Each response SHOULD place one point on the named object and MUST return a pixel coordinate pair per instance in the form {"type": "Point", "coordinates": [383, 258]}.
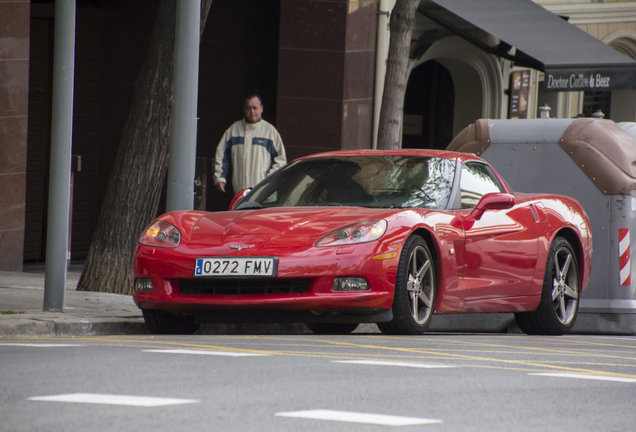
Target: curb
{"type": "Point", "coordinates": [67, 328]}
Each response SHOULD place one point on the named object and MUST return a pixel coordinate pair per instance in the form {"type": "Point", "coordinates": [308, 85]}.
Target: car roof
{"type": "Point", "coordinates": [446, 154]}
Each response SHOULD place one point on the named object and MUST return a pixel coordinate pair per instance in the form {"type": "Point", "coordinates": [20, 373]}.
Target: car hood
{"type": "Point", "coordinates": [309, 222]}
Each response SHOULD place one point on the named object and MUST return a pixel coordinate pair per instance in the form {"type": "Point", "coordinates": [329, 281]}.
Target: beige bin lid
{"type": "Point", "coordinates": [474, 138]}
{"type": "Point", "coordinates": [600, 148]}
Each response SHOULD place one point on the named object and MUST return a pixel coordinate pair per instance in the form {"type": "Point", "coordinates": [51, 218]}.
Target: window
{"type": "Point", "coordinates": [477, 180]}
{"type": "Point", "coordinates": [597, 100]}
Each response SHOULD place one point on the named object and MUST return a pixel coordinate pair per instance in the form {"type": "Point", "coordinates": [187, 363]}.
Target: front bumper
{"type": "Point", "coordinates": [170, 272]}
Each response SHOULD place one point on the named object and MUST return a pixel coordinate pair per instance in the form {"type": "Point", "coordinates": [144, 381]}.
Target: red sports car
{"type": "Point", "coordinates": [390, 237]}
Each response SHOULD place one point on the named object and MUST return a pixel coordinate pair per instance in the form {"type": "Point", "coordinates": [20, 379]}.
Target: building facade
{"type": "Point", "coordinates": [460, 72]}
{"type": "Point", "coordinates": [319, 65]}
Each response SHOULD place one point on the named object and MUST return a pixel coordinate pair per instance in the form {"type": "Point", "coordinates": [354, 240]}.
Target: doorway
{"type": "Point", "coordinates": [429, 106]}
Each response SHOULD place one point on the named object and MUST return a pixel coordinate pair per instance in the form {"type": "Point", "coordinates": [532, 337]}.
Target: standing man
{"type": "Point", "coordinates": [250, 149]}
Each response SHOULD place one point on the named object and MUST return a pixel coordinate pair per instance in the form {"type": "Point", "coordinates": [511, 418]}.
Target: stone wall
{"type": "Point", "coordinates": [14, 83]}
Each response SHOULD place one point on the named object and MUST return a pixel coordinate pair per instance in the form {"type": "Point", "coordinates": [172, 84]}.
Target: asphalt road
{"type": "Point", "coordinates": [436, 382]}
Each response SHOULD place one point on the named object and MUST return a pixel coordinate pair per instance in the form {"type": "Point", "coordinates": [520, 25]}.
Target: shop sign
{"type": "Point", "coordinates": [519, 91]}
{"type": "Point", "coordinates": [590, 80]}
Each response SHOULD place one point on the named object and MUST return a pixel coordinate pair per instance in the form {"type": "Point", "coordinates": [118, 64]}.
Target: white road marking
{"type": "Point", "coordinates": [40, 345]}
{"type": "Point", "coordinates": [202, 352]}
{"type": "Point", "coordinates": [589, 377]}
{"type": "Point", "coordinates": [393, 363]}
{"type": "Point", "coordinates": [109, 399]}
{"type": "Point", "coordinates": [357, 417]}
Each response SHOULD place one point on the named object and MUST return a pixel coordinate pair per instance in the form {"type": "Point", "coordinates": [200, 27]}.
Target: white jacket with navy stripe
{"type": "Point", "coordinates": [248, 152]}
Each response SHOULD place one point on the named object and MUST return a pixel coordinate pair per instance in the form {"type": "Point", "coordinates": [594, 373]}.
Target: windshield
{"type": "Point", "coordinates": [387, 181]}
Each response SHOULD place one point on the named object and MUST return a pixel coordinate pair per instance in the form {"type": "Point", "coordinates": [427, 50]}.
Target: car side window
{"type": "Point", "coordinates": [477, 180]}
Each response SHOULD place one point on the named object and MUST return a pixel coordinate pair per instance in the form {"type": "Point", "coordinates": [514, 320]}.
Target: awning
{"type": "Point", "coordinates": [532, 36]}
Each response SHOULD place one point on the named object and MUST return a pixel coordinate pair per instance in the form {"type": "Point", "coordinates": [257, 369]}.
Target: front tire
{"type": "Point", "coordinates": [415, 290]}
{"type": "Point", "coordinates": [559, 304]}
{"type": "Point", "coordinates": [162, 322]}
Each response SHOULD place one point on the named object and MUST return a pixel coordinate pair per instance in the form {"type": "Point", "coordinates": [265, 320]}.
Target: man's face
{"type": "Point", "coordinates": [253, 110]}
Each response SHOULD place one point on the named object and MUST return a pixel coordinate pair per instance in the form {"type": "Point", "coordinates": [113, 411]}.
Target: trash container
{"type": "Point", "coordinates": [594, 161]}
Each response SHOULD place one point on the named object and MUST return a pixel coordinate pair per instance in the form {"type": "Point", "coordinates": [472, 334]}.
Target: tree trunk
{"type": "Point", "coordinates": [392, 109]}
{"type": "Point", "coordinates": [137, 178]}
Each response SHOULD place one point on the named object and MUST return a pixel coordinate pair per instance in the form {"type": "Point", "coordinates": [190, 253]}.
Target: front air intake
{"type": "Point", "coordinates": [224, 286]}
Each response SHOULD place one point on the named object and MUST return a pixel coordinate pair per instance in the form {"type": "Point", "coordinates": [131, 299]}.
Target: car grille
{"type": "Point", "coordinates": [244, 286]}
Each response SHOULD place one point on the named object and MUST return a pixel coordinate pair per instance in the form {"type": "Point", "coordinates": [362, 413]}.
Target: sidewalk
{"type": "Point", "coordinates": [85, 313]}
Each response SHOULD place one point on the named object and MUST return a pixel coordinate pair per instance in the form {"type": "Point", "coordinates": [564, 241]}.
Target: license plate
{"type": "Point", "coordinates": [236, 266]}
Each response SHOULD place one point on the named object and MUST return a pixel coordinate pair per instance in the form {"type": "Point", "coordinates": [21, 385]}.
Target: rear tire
{"type": "Point", "coordinates": [162, 322]}
{"type": "Point", "coordinates": [559, 304]}
{"type": "Point", "coordinates": [415, 290]}
{"type": "Point", "coordinates": [332, 328]}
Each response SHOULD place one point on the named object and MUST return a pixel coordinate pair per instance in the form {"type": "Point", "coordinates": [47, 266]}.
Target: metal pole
{"type": "Point", "coordinates": [183, 139]}
{"type": "Point", "coordinates": [381, 51]}
{"type": "Point", "coordinates": [57, 245]}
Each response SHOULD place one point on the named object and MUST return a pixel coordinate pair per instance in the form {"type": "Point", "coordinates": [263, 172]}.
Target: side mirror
{"type": "Point", "coordinates": [492, 201]}
{"type": "Point", "coordinates": [239, 197]}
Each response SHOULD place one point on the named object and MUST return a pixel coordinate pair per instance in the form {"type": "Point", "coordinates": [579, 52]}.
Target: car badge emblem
{"type": "Point", "coordinates": [239, 247]}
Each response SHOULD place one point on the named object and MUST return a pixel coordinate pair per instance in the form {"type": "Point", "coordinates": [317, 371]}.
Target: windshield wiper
{"type": "Point", "coordinates": [382, 205]}
{"type": "Point", "coordinates": [249, 205]}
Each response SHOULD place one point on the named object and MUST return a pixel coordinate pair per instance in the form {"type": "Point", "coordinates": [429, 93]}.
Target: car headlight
{"type": "Point", "coordinates": [161, 234]}
{"type": "Point", "coordinates": [362, 232]}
